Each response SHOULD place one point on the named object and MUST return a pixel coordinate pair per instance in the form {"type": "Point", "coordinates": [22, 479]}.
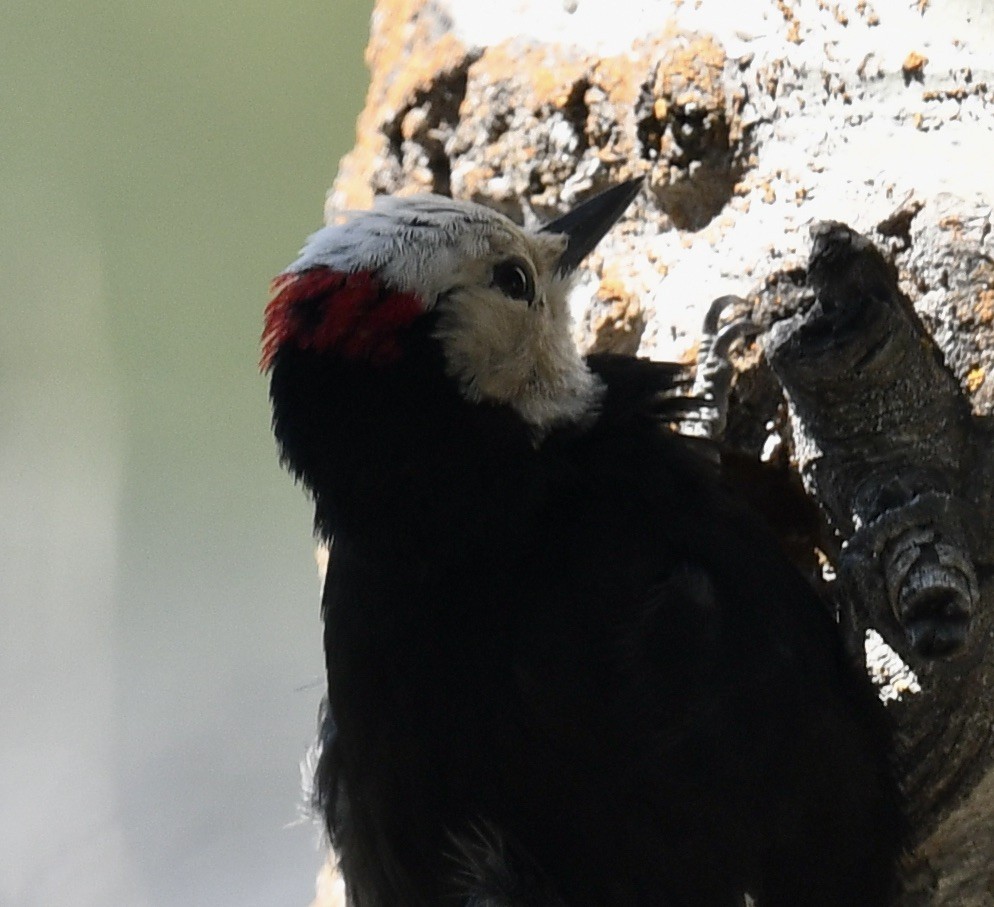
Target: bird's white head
{"type": "Point", "coordinates": [497, 294]}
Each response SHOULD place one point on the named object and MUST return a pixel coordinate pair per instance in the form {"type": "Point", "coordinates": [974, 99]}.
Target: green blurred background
{"type": "Point", "coordinates": [160, 663]}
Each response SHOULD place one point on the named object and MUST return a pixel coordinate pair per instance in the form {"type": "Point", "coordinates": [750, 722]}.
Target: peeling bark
{"type": "Point", "coordinates": [881, 432]}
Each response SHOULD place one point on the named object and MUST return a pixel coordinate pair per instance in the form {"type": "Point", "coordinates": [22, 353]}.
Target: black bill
{"type": "Point", "coordinates": [587, 224]}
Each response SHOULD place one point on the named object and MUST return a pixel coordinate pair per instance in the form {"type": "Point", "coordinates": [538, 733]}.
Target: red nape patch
{"type": "Point", "coordinates": [352, 314]}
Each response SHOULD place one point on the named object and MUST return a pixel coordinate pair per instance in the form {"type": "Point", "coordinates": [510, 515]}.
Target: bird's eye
{"type": "Point", "coordinates": [514, 279]}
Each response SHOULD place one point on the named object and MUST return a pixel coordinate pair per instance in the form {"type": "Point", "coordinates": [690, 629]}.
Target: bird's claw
{"type": "Point", "coordinates": [713, 381]}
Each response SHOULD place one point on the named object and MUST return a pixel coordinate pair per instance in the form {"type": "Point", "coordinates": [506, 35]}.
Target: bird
{"type": "Point", "coordinates": [567, 663]}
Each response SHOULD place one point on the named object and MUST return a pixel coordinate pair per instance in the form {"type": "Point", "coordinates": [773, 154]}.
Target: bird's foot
{"type": "Point", "coordinates": [713, 381]}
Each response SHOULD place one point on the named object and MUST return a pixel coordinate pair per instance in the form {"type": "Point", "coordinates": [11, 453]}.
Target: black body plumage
{"type": "Point", "coordinates": [576, 672]}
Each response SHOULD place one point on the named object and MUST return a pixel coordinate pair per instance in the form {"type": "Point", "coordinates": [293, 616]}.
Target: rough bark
{"type": "Point", "coordinates": [750, 122]}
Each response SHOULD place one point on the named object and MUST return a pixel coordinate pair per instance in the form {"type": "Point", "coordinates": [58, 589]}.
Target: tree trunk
{"type": "Point", "coordinates": [750, 122]}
